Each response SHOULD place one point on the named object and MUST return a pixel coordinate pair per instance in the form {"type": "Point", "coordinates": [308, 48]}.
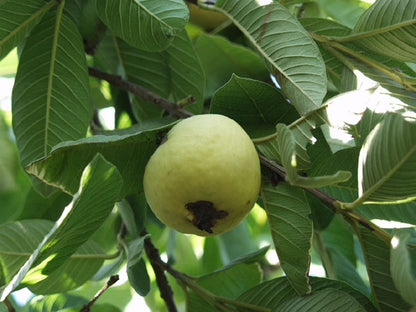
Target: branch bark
{"type": "Point", "coordinates": [174, 109]}
{"type": "Point", "coordinates": [329, 201]}
{"type": "Point", "coordinates": [113, 279]}
{"type": "Point", "coordinates": [159, 267]}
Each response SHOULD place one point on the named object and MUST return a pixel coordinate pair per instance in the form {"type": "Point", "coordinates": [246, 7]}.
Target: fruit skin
{"type": "Point", "coordinates": [205, 19]}
{"type": "Point", "coordinates": [205, 178]}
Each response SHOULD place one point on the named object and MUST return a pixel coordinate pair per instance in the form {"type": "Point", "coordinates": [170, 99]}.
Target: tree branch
{"type": "Point", "coordinates": [9, 305]}
{"type": "Point", "coordinates": [174, 109]}
{"type": "Point", "coordinates": [331, 202]}
{"type": "Point", "coordinates": [159, 268]}
{"type": "Point", "coordinates": [112, 280]}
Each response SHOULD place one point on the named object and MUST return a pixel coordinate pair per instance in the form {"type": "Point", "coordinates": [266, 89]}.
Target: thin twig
{"type": "Point", "coordinates": [9, 306]}
{"type": "Point", "coordinates": [112, 280]}
{"type": "Point", "coordinates": [172, 108]}
{"type": "Point", "coordinates": [159, 268]}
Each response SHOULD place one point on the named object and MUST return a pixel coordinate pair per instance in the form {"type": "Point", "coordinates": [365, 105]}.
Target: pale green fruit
{"type": "Point", "coordinates": [205, 178]}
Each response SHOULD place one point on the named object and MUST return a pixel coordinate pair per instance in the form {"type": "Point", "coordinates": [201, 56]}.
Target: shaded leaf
{"type": "Point", "coordinates": [276, 292]}
{"type": "Point", "coordinates": [55, 303]}
{"type": "Point", "coordinates": [51, 99]}
{"type": "Point", "coordinates": [290, 222]}
{"type": "Point", "coordinates": [174, 73]}
{"type": "Point", "coordinates": [248, 102]}
{"type": "Point", "coordinates": [323, 300]}
{"type": "Point", "coordinates": [139, 278]}
{"type": "Point", "coordinates": [402, 264]}
{"type": "Point", "coordinates": [377, 255]}
{"type": "Point", "coordinates": [145, 24]}
{"type": "Point", "coordinates": [229, 283]}
{"type": "Point", "coordinates": [17, 18]}
{"type": "Point", "coordinates": [387, 162]}
{"type": "Point", "coordinates": [388, 28]}
{"type": "Point", "coordinates": [279, 38]}
{"type": "Point", "coordinates": [287, 146]}
{"type": "Point", "coordinates": [403, 212]}
{"type": "Point", "coordinates": [346, 12]}
{"type": "Point", "coordinates": [221, 58]}
{"type": "Point", "coordinates": [128, 149]}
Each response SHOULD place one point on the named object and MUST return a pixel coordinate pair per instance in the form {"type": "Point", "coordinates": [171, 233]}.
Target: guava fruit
{"type": "Point", "coordinates": [205, 177]}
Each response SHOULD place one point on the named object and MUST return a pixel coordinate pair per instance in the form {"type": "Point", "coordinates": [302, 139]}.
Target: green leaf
{"type": "Point", "coordinates": [51, 99]}
{"type": "Point", "coordinates": [221, 58]}
{"type": "Point", "coordinates": [247, 102]}
{"type": "Point", "coordinates": [145, 24]}
{"type": "Point", "coordinates": [99, 188]}
{"type": "Point", "coordinates": [18, 240]}
{"type": "Point", "coordinates": [129, 151]}
{"type": "Point", "coordinates": [49, 208]}
{"type": "Point", "coordinates": [287, 146]}
{"type": "Point", "coordinates": [127, 215]}
{"type": "Point", "coordinates": [377, 255]}
{"type": "Point", "coordinates": [134, 250]}
{"type": "Point", "coordinates": [387, 161]}
{"type": "Point", "coordinates": [139, 278]}
{"type": "Point", "coordinates": [174, 73]}
{"type": "Point", "coordinates": [402, 264]}
{"type": "Point", "coordinates": [291, 227]}
{"type": "Point", "coordinates": [346, 12]}
{"type": "Point", "coordinates": [278, 37]}
{"type": "Point", "coordinates": [323, 300]}
{"type": "Point", "coordinates": [278, 292]}
{"type": "Point", "coordinates": [56, 302]}
{"type": "Point", "coordinates": [404, 212]}
{"type": "Point", "coordinates": [326, 27]}
{"type": "Point", "coordinates": [388, 28]}
{"type": "Point", "coordinates": [229, 283]}
{"type": "Point", "coordinates": [17, 18]}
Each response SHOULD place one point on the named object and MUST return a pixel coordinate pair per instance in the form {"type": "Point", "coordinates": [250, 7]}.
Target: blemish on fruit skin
{"type": "Point", "coordinates": [205, 215]}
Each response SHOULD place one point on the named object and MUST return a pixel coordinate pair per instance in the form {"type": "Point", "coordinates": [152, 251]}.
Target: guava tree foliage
{"type": "Point", "coordinates": [293, 74]}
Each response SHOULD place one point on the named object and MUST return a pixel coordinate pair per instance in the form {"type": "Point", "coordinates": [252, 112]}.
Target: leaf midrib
{"type": "Point", "coordinates": [51, 74]}
{"type": "Point", "coordinates": [260, 49]}
{"type": "Point", "coordinates": [394, 169]}
{"type": "Point", "coordinates": [33, 17]}
{"type": "Point", "coordinates": [374, 32]}
{"type": "Point", "coordinates": [73, 256]}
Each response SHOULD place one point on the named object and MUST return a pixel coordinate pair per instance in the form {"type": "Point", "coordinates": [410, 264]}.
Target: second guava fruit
{"type": "Point", "coordinates": [205, 177]}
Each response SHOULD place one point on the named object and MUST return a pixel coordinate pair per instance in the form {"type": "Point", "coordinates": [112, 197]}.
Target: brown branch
{"type": "Point", "coordinates": [329, 201]}
{"type": "Point", "coordinates": [112, 280]}
{"type": "Point", "coordinates": [159, 267]}
{"type": "Point", "coordinates": [9, 305]}
{"type": "Point", "coordinates": [174, 109]}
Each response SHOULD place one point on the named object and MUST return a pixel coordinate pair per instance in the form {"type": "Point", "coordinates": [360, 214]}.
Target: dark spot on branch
{"type": "Point", "coordinates": [205, 215]}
